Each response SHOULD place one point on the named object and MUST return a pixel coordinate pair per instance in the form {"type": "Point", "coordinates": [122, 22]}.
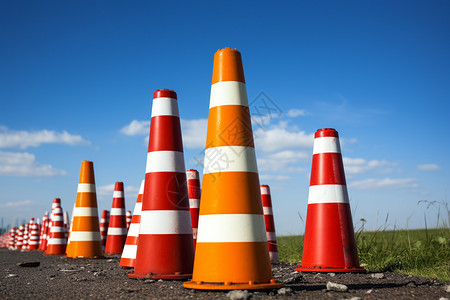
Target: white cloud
{"type": "Point", "coordinates": [274, 177]}
{"type": "Point", "coordinates": [136, 128]}
{"type": "Point", "coordinates": [296, 112]}
{"type": "Point", "coordinates": [194, 133]}
{"type": "Point", "coordinates": [108, 190]}
{"type": "Point", "coordinates": [360, 165]}
{"type": "Point", "coordinates": [373, 184]}
{"type": "Point", "coordinates": [18, 204]}
{"type": "Point", "coordinates": [283, 162]}
{"type": "Point", "coordinates": [23, 139]}
{"type": "Point", "coordinates": [25, 164]}
{"type": "Point", "coordinates": [428, 167]}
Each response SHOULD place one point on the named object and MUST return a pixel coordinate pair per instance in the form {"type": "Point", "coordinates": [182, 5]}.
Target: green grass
{"type": "Point", "coordinates": [424, 253]}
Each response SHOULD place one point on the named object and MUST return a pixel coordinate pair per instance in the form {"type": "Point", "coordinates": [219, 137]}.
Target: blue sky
{"type": "Point", "coordinates": [77, 79]}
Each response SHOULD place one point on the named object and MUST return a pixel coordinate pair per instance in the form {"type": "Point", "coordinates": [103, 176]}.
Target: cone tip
{"type": "Point", "coordinates": [326, 132]}
{"type": "Point", "coordinates": [165, 93]}
{"type": "Point", "coordinates": [118, 186]}
{"type": "Point", "coordinates": [228, 66]}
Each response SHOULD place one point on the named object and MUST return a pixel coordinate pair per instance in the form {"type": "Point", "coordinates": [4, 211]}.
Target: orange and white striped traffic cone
{"type": "Point", "coordinates": [329, 242]}
{"type": "Point", "coordinates": [26, 236]}
{"type": "Point", "coordinates": [270, 224]}
{"type": "Point", "coordinates": [117, 230]}
{"type": "Point", "coordinates": [19, 239]}
{"type": "Point", "coordinates": [57, 242]}
{"type": "Point", "coordinates": [44, 229]}
{"type": "Point", "coordinates": [128, 217]}
{"type": "Point", "coordinates": [85, 240]}
{"type": "Point", "coordinates": [70, 227]}
{"type": "Point", "coordinates": [194, 200]}
{"type": "Point", "coordinates": [231, 251]}
{"type": "Point", "coordinates": [128, 258]}
{"type": "Point", "coordinates": [104, 224]}
{"type": "Point", "coordinates": [165, 247]}
{"type": "Point", "coordinates": [33, 241]}
{"type": "Point", "coordinates": [12, 238]}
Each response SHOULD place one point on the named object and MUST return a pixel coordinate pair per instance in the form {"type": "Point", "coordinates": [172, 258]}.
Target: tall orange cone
{"type": "Point", "coordinates": [85, 240]}
{"type": "Point", "coordinates": [117, 230]}
{"type": "Point", "coordinates": [165, 247]}
{"type": "Point", "coordinates": [104, 224]}
{"type": "Point", "coordinates": [231, 251]}
{"type": "Point", "coordinates": [194, 199]}
{"type": "Point", "coordinates": [128, 258]}
{"type": "Point", "coordinates": [57, 241]}
{"type": "Point", "coordinates": [270, 224]}
{"type": "Point", "coordinates": [329, 242]}
{"type": "Point", "coordinates": [33, 242]}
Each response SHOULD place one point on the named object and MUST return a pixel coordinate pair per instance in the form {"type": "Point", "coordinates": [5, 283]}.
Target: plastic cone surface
{"type": "Point", "coordinates": [128, 258]}
{"type": "Point", "coordinates": [12, 238]}
{"type": "Point", "coordinates": [117, 230]}
{"type": "Point", "coordinates": [19, 239]}
{"type": "Point", "coordinates": [26, 236]}
{"type": "Point", "coordinates": [329, 242]}
{"type": "Point", "coordinates": [231, 251]}
{"type": "Point", "coordinates": [70, 229]}
{"type": "Point", "coordinates": [194, 200]}
{"type": "Point", "coordinates": [104, 224]}
{"type": "Point", "coordinates": [33, 241]}
{"type": "Point", "coordinates": [129, 216]}
{"type": "Point", "coordinates": [43, 234]}
{"type": "Point", "coordinates": [165, 247]}
{"type": "Point", "coordinates": [270, 223]}
{"type": "Point", "coordinates": [85, 240]}
{"type": "Point", "coordinates": [57, 241]}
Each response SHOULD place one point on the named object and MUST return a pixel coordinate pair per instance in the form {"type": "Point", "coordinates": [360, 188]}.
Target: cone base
{"type": "Point", "coordinates": [175, 276]}
{"type": "Point", "coordinates": [224, 286]}
{"type": "Point", "coordinates": [331, 270]}
{"type": "Point", "coordinates": [127, 262]}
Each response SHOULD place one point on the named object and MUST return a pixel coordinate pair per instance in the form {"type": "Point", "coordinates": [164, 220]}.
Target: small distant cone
{"type": "Point", "coordinates": [117, 230]}
{"type": "Point", "coordinates": [85, 240]}
{"type": "Point", "coordinates": [128, 218]}
{"type": "Point", "coordinates": [128, 258]}
{"type": "Point", "coordinates": [43, 233]}
{"type": "Point", "coordinates": [104, 224]}
{"type": "Point", "coordinates": [56, 203]}
{"type": "Point", "coordinates": [270, 224]}
{"type": "Point", "coordinates": [26, 236]}
{"type": "Point", "coordinates": [19, 239]}
{"type": "Point", "coordinates": [329, 242]}
{"type": "Point", "coordinates": [66, 223]}
{"type": "Point", "coordinates": [70, 228]}
{"type": "Point", "coordinates": [231, 251]}
{"type": "Point", "coordinates": [33, 242]}
{"type": "Point", "coordinates": [165, 247]}
{"type": "Point", "coordinates": [12, 238]}
{"type": "Point", "coordinates": [57, 241]}
{"type": "Point", "coordinates": [194, 200]}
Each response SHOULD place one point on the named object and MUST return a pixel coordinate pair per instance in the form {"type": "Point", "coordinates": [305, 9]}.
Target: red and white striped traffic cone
{"type": "Point", "coordinates": [329, 242]}
{"type": "Point", "coordinates": [57, 241]}
{"type": "Point", "coordinates": [26, 236]}
{"type": "Point", "coordinates": [128, 258]}
{"type": "Point", "coordinates": [128, 216]}
{"type": "Point", "coordinates": [19, 239]}
{"type": "Point", "coordinates": [165, 246]}
{"type": "Point", "coordinates": [33, 242]}
{"type": "Point", "coordinates": [270, 224]}
{"type": "Point", "coordinates": [43, 238]}
{"type": "Point", "coordinates": [66, 223]}
{"type": "Point", "coordinates": [117, 230]}
{"type": "Point", "coordinates": [194, 199]}
{"type": "Point", "coordinates": [104, 224]}
{"type": "Point", "coordinates": [12, 238]}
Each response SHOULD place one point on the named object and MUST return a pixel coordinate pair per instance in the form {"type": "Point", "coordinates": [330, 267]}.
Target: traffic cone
{"type": "Point", "coordinates": [57, 242]}
{"type": "Point", "coordinates": [66, 224]}
{"type": "Point", "coordinates": [43, 235]}
{"type": "Point", "coordinates": [231, 251]}
{"type": "Point", "coordinates": [117, 230]}
{"type": "Point", "coordinates": [329, 242]}
{"type": "Point", "coordinates": [56, 203]}
{"type": "Point", "coordinates": [26, 233]}
{"type": "Point", "coordinates": [70, 228]}
{"type": "Point", "coordinates": [33, 241]}
{"type": "Point", "coordinates": [128, 258]}
{"type": "Point", "coordinates": [165, 247]}
{"type": "Point", "coordinates": [194, 200]}
{"type": "Point", "coordinates": [12, 238]}
{"type": "Point", "coordinates": [19, 240]}
{"type": "Point", "coordinates": [104, 224]}
{"type": "Point", "coordinates": [85, 240]}
{"type": "Point", "coordinates": [270, 224]}
{"type": "Point", "coordinates": [128, 218]}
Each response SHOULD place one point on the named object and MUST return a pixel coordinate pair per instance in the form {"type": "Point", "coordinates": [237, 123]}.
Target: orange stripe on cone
{"type": "Point", "coordinates": [231, 251]}
{"type": "Point", "coordinates": [85, 240]}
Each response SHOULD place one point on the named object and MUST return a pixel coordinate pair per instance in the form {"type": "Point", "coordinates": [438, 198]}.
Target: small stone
{"type": "Point", "coordinates": [355, 298]}
{"type": "Point", "coordinates": [285, 291]}
{"type": "Point", "coordinates": [443, 298]}
{"type": "Point", "coordinates": [332, 274]}
{"type": "Point", "coordinates": [369, 291]}
{"type": "Point", "coordinates": [331, 286]}
{"type": "Point", "coordinates": [411, 284]}
{"type": "Point", "coordinates": [293, 278]}
{"type": "Point", "coordinates": [12, 275]}
{"type": "Point", "coordinates": [52, 276]}
{"type": "Point", "coordinates": [377, 275]}
{"type": "Point", "coordinates": [33, 264]}
{"type": "Point", "coordinates": [238, 295]}
{"type": "Point", "coordinates": [99, 274]}
{"type": "Point", "coordinates": [149, 280]}
{"type": "Point", "coordinates": [447, 288]}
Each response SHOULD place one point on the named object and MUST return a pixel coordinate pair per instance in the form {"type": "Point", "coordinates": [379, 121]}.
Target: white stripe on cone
{"type": "Point", "coordinates": [165, 107]}
{"type": "Point", "coordinates": [165, 222]}
{"type": "Point", "coordinates": [327, 144]}
{"type": "Point", "coordinates": [85, 236]}
{"type": "Point", "coordinates": [86, 188]}
{"type": "Point", "coordinates": [165, 161]}
{"type": "Point", "coordinates": [328, 193]}
{"type": "Point", "coordinates": [228, 93]}
{"type": "Point", "coordinates": [230, 159]}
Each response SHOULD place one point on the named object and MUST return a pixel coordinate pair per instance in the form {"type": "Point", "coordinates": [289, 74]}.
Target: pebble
{"type": "Point", "coordinates": [369, 291]}
{"type": "Point", "coordinates": [150, 281]}
{"type": "Point", "coordinates": [32, 264]}
{"type": "Point", "coordinates": [12, 275]}
{"type": "Point", "coordinates": [99, 274]}
{"type": "Point", "coordinates": [411, 284]}
{"type": "Point", "coordinates": [443, 298]}
{"type": "Point", "coordinates": [238, 295]}
{"type": "Point", "coordinates": [332, 274]}
{"type": "Point", "coordinates": [355, 298]}
{"type": "Point", "coordinates": [331, 286]}
{"type": "Point", "coordinates": [285, 291]}
{"type": "Point", "coordinates": [294, 278]}
{"type": "Point", "coordinates": [377, 275]}
{"type": "Point", "coordinates": [447, 288]}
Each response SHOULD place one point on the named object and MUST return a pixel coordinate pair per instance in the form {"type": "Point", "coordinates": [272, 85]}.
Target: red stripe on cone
{"type": "Point", "coordinates": [19, 240]}
{"type": "Point", "coordinates": [57, 236]}
{"type": "Point", "coordinates": [117, 229]}
{"type": "Point", "coordinates": [270, 224]}
{"type": "Point", "coordinates": [33, 241]}
{"type": "Point", "coordinates": [128, 216]}
{"type": "Point", "coordinates": [329, 242]}
{"type": "Point", "coordinates": [104, 224]}
{"type": "Point", "coordinates": [194, 199]}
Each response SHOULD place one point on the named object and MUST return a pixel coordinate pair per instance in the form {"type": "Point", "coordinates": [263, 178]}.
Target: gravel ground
{"type": "Point", "coordinates": [64, 278]}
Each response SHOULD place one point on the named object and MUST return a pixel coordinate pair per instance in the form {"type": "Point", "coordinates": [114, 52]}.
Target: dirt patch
{"type": "Point", "coordinates": [61, 277]}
